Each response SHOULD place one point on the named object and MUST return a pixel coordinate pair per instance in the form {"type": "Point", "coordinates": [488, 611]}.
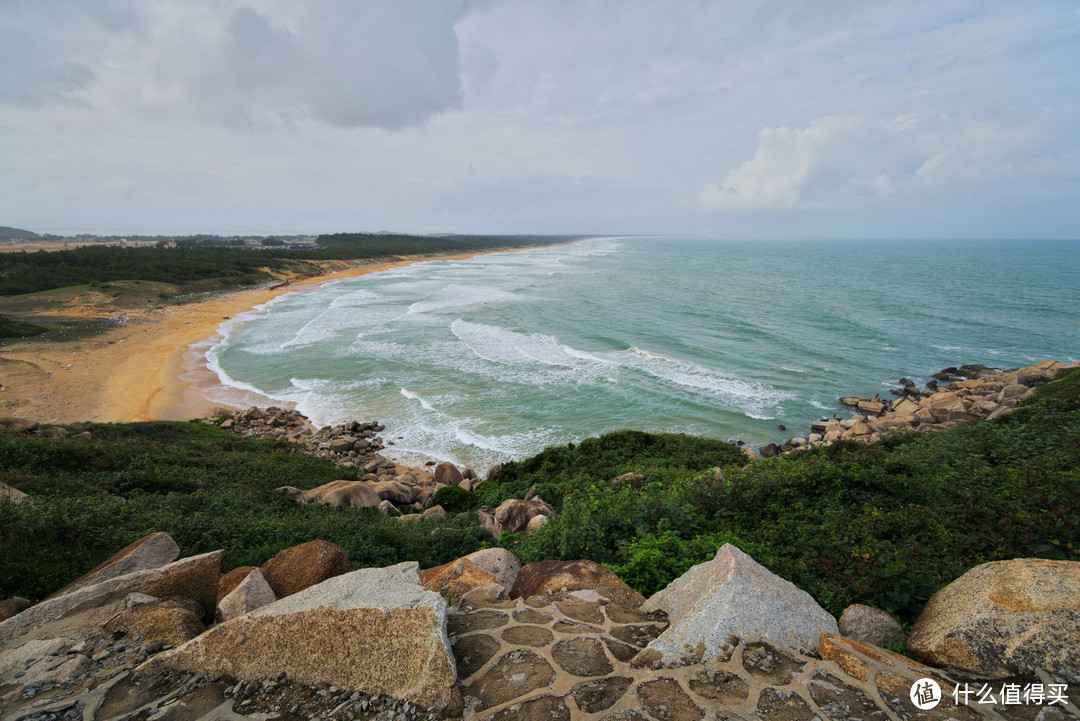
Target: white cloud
{"type": "Point", "coordinates": [854, 161]}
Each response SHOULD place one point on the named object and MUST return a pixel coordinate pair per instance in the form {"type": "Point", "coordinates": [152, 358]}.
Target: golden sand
{"type": "Point", "coordinates": [143, 370]}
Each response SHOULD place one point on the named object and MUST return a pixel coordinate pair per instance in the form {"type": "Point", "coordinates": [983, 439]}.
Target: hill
{"type": "Point", "coordinates": [7, 233]}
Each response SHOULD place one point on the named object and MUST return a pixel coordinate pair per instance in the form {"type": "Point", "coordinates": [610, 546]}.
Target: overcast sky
{"type": "Point", "coordinates": [734, 119]}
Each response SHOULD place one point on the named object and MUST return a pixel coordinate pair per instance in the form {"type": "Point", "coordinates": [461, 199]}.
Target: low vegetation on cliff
{"type": "Point", "coordinates": [884, 524]}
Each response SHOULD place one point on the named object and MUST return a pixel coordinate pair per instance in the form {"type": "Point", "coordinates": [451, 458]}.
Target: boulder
{"type": "Point", "coordinates": [388, 509]}
{"type": "Point", "coordinates": [869, 625]}
{"type": "Point", "coordinates": [192, 578]}
{"type": "Point", "coordinates": [535, 524]}
{"type": "Point", "coordinates": [483, 596]}
{"type": "Point", "coordinates": [1005, 618]}
{"type": "Point", "coordinates": [299, 567]}
{"type": "Point", "coordinates": [514, 515]}
{"type": "Point", "coordinates": [488, 522]}
{"type": "Point", "coordinates": [870, 406]}
{"type": "Point", "coordinates": [448, 474]}
{"type": "Point", "coordinates": [456, 578]}
{"type": "Point", "coordinates": [499, 562]}
{"type": "Point", "coordinates": [393, 491]}
{"type": "Point", "coordinates": [769, 450]}
{"type": "Point", "coordinates": [153, 551]}
{"type": "Point", "coordinates": [356, 494]}
{"type": "Point", "coordinates": [17, 425]}
{"type": "Point", "coordinates": [290, 491]}
{"type": "Point", "coordinates": [12, 494]}
{"type": "Point", "coordinates": [435, 512]}
{"type": "Point", "coordinates": [172, 621]}
{"type": "Point", "coordinates": [251, 593]}
{"type": "Point", "coordinates": [375, 630]}
{"type": "Point", "coordinates": [12, 606]}
{"type": "Point", "coordinates": [231, 580]}
{"type": "Point", "coordinates": [636, 480]}
{"type": "Point", "coordinates": [733, 596]}
{"type": "Point", "coordinates": [542, 577]}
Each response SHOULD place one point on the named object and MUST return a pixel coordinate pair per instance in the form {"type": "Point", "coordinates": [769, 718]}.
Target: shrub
{"type": "Point", "coordinates": [453, 499]}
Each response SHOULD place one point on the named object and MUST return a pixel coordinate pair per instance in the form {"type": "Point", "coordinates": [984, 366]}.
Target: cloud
{"type": "Point", "coordinates": [341, 62]}
{"type": "Point", "coordinates": [847, 161]}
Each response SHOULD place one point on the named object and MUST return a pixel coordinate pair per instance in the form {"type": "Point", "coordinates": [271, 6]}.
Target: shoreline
{"type": "Point", "coordinates": [100, 379]}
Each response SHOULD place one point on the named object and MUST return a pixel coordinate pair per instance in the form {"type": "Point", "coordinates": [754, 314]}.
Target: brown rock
{"type": "Point", "coordinates": [299, 567]}
{"type": "Point", "coordinates": [874, 407]}
{"type": "Point", "coordinates": [544, 708]}
{"type": "Point", "coordinates": [392, 491]}
{"type": "Point", "coordinates": [16, 425]}
{"type": "Point", "coordinates": [869, 625]}
{"type": "Point", "coordinates": [488, 523]}
{"type": "Point", "coordinates": [535, 524]}
{"type": "Point", "coordinates": [665, 699]}
{"type": "Point", "coordinates": [231, 580]}
{"type": "Point", "coordinates": [456, 578]}
{"type": "Point", "coordinates": [539, 578]}
{"type": "Point", "coordinates": [356, 494]}
{"type": "Point", "coordinates": [582, 657]}
{"type": "Point", "coordinates": [499, 562]}
{"type": "Point", "coordinates": [486, 595]}
{"type": "Point", "coordinates": [448, 474]}
{"type": "Point", "coordinates": [514, 515]}
{"type": "Point", "coordinates": [635, 480]}
{"type": "Point", "coordinates": [12, 606]}
{"type": "Point", "coordinates": [1005, 618]}
{"type": "Point", "coordinates": [517, 673]}
{"type": "Point", "coordinates": [374, 630]}
{"type": "Point", "coordinates": [12, 494]}
{"type": "Point", "coordinates": [151, 551]}
{"type": "Point", "coordinates": [173, 621]}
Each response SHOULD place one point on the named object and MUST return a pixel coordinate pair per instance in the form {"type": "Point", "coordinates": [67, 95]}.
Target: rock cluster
{"type": "Point", "coordinates": [966, 394]}
{"type": "Point", "coordinates": [349, 444]}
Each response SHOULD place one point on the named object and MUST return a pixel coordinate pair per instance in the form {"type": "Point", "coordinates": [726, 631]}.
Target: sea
{"type": "Point", "coordinates": [496, 357]}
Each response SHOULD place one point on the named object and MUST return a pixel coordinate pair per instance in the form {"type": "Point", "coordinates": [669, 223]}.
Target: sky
{"type": "Point", "coordinates": [731, 119]}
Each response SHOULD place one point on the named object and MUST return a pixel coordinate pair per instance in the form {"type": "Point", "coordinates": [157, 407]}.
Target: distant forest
{"type": "Point", "coordinates": [30, 272]}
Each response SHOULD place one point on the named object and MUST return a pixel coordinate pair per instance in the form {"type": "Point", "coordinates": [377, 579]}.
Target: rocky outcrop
{"type": "Point", "coordinates": [869, 625]}
{"type": "Point", "coordinates": [251, 593]}
{"type": "Point", "coordinates": [514, 515]}
{"type": "Point", "coordinates": [1005, 618]}
{"type": "Point", "coordinates": [153, 551]}
{"type": "Point", "coordinates": [12, 606]}
{"type": "Point", "coordinates": [350, 444]}
{"type": "Point", "coordinates": [294, 569]}
{"type": "Point", "coordinates": [966, 394]}
{"type": "Point", "coordinates": [733, 596]}
{"type": "Point", "coordinates": [448, 474]}
{"type": "Point", "coordinates": [551, 577]}
{"type": "Point", "coordinates": [499, 562]}
{"type": "Point", "coordinates": [193, 578]}
{"type": "Point", "coordinates": [375, 630]}
{"type": "Point", "coordinates": [453, 580]}
{"type": "Point", "coordinates": [355, 494]}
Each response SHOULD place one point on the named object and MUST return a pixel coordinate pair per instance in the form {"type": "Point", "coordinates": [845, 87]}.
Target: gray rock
{"type": "Point", "coordinates": [12, 494]}
{"type": "Point", "coordinates": [869, 625]}
{"type": "Point", "coordinates": [375, 630]}
{"type": "Point", "coordinates": [499, 562]}
{"type": "Point", "coordinates": [1004, 618]}
{"type": "Point", "coordinates": [153, 551]}
{"type": "Point", "coordinates": [356, 494]}
{"type": "Point", "coordinates": [448, 474]}
{"type": "Point", "coordinates": [733, 596]}
{"type": "Point", "coordinates": [252, 593]}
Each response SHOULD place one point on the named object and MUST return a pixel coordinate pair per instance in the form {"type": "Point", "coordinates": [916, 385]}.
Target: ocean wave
{"type": "Point", "coordinates": [454, 297]}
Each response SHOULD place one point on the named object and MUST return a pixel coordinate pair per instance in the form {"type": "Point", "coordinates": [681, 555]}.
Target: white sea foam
{"type": "Point", "coordinates": [413, 396]}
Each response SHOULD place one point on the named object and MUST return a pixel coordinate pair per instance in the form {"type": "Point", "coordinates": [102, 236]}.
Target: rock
{"type": "Point", "coordinates": [635, 480]}
{"type": "Point", "coordinates": [448, 474]}
{"type": "Point", "coordinates": [483, 595]}
{"type": "Point", "coordinates": [12, 606]}
{"type": "Point", "coordinates": [153, 551]}
{"type": "Point", "coordinates": [456, 578]}
{"type": "Point", "coordinates": [851, 401]}
{"type": "Point", "coordinates": [499, 562]}
{"type": "Point", "coordinates": [435, 512]}
{"type": "Point", "coordinates": [12, 494]}
{"type": "Point", "coordinates": [388, 509]}
{"type": "Point", "coordinates": [174, 621]}
{"type": "Point", "coordinates": [251, 593]}
{"type": "Point", "coordinates": [869, 406]}
{"type": "Point", "coordinates": [542, 577]}
{"type": "Point", "coordinates": [231, 580]}
{"type": "Point", "coordinates": [289, 491]}
{"type": "Point", "coordinates": [535, 524]}
{"type": "Point", "coordinates": [1005, 618]}
{"type": "Point", "coordinates": [341, 445]}
{"type": "Point", "coordinates": [356, 494]}
{"type": "Point", "coordinates": [393, 491]}
{"type": "Point", "coordinates": [17, 425]}
{"type": "Point", "coordinates": [488, 523]}
{"type": "Point", "coordinates": [733, 596]}
{"type": "Point", "coordinates": [514, 515]}
{"type": "Point", "coordinates": [769, 450]}
{"type": "Point", "coordinates": [375, 630]}
{"type": "Point", "coordinates": [299, 567]}
{"type": "Point", "coordinates": [193, 578]}
{"type": "Point", "coordinates": [869, 625]}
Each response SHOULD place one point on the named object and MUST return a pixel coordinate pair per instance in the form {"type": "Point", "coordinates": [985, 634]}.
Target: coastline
{"type": "Point", "coordinates": [102, 379]}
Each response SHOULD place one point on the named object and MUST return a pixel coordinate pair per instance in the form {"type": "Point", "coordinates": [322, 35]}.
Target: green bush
{"type": "Point", "coordinates": [453, 499]}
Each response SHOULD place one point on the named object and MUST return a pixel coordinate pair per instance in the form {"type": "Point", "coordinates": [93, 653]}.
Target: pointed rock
{"type": "Point", "coordinates": [251, 593]}
{"type": "Point", "coordinates": [733, 596]}
{"type": "Point", "coordinates": [152, 551]}
{"type": "Point", "coordinates": [296, 568]}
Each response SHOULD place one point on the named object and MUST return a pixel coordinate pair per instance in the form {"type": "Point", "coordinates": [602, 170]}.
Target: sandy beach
{"type": "Point", "coordinates": [145, 369]}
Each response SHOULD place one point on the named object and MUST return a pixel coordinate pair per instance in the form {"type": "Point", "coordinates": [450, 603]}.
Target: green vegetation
{"type": "Point", "coordinates": [885, 524]}
{"type": "Point", "coordinates": [8, 233]}
{"type": "Point", "coordinates": [194, 261]}
{"type": "Point", "coordinates": [11, 328]}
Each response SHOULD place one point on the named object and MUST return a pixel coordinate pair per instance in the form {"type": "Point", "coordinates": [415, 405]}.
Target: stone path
{"type": "Point", "coordinates": [542, 658]}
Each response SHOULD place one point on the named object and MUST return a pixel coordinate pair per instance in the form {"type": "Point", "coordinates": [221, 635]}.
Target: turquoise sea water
{"type": "Point", "coordinates": [498, 356]}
